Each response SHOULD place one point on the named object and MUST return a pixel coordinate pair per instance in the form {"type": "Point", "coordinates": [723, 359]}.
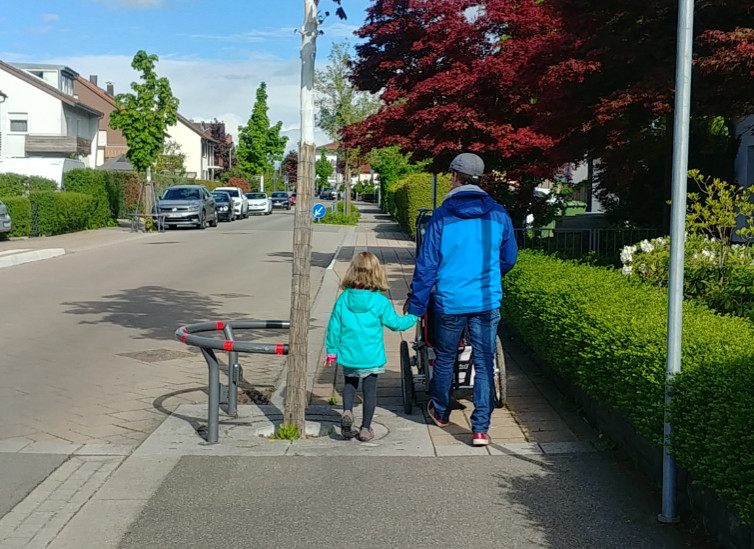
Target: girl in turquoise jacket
{"type": "Point", "coordinates": [354, 337]}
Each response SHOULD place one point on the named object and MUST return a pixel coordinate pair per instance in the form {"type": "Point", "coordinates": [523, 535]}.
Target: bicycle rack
{"type": "Point", "coordinates": [208, 346]}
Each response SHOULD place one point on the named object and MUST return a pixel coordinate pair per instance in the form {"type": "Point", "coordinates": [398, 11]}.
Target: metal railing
{"type": "Point", "coordinates": [219, 393]}
{"type": "Point", "coordinates": [575, 243]}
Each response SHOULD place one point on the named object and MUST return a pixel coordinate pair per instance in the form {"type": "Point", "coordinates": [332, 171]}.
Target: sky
{"type": "Point", "coordinates": [214, 53]}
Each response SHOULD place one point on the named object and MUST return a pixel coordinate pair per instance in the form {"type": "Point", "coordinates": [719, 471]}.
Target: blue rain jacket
{"type": "Point", "coordinates": [469, 245]}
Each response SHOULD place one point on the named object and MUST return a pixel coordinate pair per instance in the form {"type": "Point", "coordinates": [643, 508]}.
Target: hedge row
{"type": "Point", "coordinates": [407, 195]}
{"type": "Point", "coordinates": [13, 184]}
{"type": "Point", "coordinates": [19, 209]}
{"type": "Point", "coordinates": [339, 217]}
{"type": "Point", "coordinates": [608, 336]}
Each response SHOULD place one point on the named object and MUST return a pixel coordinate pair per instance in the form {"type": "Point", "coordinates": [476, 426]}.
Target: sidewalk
{"type": "Point", "coordinates": [546, 481]}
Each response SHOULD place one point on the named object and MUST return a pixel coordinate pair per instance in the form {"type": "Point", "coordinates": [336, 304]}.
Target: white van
{"type": "Point", "coordinates": [240, 202]}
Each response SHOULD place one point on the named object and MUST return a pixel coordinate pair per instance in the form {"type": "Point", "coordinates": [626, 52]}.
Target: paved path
{"type": "Point", "coordinates": [544, 482]}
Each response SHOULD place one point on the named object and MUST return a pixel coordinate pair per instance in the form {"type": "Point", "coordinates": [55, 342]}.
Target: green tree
{"type": "Point", "coordinates": [171, 160]}
{"type": "Point", "coordinates": [323, 169]}
{"type": "Point", "coordinates": [143, 117]}
{"type": "Point", "coordinates": [340, 104]}
{"type": "Point", "coordinates": [259, 144]}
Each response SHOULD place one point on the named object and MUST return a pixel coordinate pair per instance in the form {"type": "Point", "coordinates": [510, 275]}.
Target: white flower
{"type": "Point", "coordinates": [627, 254]}
{"type": "Point", "coordinates": [646, 246]}
{"type": "Point", "coordinates": [627, 270]}
{"type": "Point", "coordinates": [642, 269]}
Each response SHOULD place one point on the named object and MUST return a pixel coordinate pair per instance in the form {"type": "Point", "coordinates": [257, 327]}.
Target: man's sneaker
{"type": "Point", "coordinates": [481, 439]}
{"type": "Point", "coordinates": [346, 425]}
{"type": "Point", "coordinates": [433, 415]}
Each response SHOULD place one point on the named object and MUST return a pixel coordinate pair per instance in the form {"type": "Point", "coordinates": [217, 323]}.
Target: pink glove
{"type": "Point", "coordinates": [331, 359]}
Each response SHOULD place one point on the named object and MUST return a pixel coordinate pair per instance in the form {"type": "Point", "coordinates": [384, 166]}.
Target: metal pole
{"type": "Point", "coordinates": [213, 405]}
{"type": "Point", "coordinates": [434, 191]}
{"type": "Point", "coordinates": [677, 242]}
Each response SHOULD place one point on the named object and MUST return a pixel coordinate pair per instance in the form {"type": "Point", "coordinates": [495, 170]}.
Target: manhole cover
{"type": "Point", "coordinates": [157, 355]}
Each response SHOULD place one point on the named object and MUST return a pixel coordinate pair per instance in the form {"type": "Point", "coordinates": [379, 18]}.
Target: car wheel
{"type": "Point", "coordinates": [214, 221]}
{"type": "Point", "coordinates": [202, 222]}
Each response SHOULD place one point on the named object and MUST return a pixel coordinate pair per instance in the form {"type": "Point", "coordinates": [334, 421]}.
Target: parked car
{"type": "Point", "coordinates": [325, 193]}
{"type": "Point", "coordinates": [5, 221]}
{"type": "Point", "coordinates": [224, 206]}
{"type": "Point", "coordinates": [240, 202]}
{"type": "Point", "coordinates": [280, 200]}
{"type": "Point", "coordinates": [187, 205]}
{"type": "Point", "coordinates": [259, 203]}
{"type": "Point", "coordinates": [293, 199]}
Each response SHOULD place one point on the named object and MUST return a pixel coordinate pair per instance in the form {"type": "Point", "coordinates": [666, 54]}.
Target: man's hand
{"type": "Point", "coordinates": [405, 305]}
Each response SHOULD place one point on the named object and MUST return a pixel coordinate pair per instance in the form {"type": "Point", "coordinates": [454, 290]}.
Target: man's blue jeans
{"type": "Point", "coordinates": [483, 331]}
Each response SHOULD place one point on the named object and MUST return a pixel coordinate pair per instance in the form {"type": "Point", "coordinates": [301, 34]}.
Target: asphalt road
{"type": "Point", "coordinates": [71, 325]}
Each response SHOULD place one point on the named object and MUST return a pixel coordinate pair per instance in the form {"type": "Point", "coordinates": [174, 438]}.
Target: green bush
{"type": "Point", "coordinates": [340, 218]}
{"type": "Point", "coordinates": [13, 184]}
{"type": "Point", "coordinates": [93, 183]}
{"type": "Point", "coordinates": [608, 336]}
{"type": "Point", "coordinates": [19, 209]}
{"type": "Point", "coordinates": [414, 192]}
{"type": "Point", "coordinates": [61, 212]}
{"type": "Point", "coordinates": [122, 190]}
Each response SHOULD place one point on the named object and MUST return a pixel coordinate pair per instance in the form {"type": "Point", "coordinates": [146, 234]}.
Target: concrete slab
{"type": "Point", "coordinates": [21, 473]}
{"type": "Point", "coordinates": [12, 259]}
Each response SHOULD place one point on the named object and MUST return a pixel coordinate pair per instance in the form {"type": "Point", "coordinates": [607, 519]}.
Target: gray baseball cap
{"type": "Point", "coordinates": [468, 163]}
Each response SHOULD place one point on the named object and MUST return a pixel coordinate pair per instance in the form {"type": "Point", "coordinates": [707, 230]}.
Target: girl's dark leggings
{"type": "Point", "coordinates": [368, 390]}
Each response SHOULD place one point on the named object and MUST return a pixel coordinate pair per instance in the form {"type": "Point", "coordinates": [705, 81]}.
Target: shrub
{"type": "Point", "coordinates": [93, 183]}
{"type": "Point", "coordinates": [58, 213]}
{"type": "Point", "coordinates": [211, 185]}
{"type": "Point", "coordinates": [608, 336]}
{"type": "Point", "coordinates": [414, 192]}
{"type": "Point", "coordinates": [340, 218]}
{"type": "Point", "coordinates": [123, 191]}
{"type": "Point", "coordinates": [13, 184]}
{"type": "Point", "coordinates": [240, 183]}
{"type": "Point", "coordinates": [19, 209]}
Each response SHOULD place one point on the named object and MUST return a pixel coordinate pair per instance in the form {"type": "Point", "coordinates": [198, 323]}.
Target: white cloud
{"type": "Point", "coordinates": [209, 89]}
{"type": "Point", "coordinates": [137, 4]}
{"type": "Point", "coordinates": [50, 17]}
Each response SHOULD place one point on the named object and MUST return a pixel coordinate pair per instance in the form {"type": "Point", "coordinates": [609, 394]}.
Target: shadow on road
{"type": "Point", "coordinates": [155, 311]}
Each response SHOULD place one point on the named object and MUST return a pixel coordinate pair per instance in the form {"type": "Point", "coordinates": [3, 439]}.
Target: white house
{"type": "Point", "coordinates": [44, 129]}
{"type": "Point", "coordinates": [198, 146]}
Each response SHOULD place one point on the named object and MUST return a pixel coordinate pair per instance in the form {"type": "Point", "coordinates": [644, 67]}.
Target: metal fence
{"type": "Point", "coordinates": [576, 243]}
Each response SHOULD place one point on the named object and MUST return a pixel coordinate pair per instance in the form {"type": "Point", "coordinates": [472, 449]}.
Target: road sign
{"type": "Point", "coordinates": [318, 211]}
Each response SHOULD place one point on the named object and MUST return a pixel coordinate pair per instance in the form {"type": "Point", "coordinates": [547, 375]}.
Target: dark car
{"type": "Point", "coordinates": [224, 206]}
{"type": "Point", "coordinates": [280, 200]}
{"type": "Point", "coordinates": [324, 194]}
{"type": "Point", "coordinates": [188, 205]}
{"type": "Point", "coordinates": [293, 199]}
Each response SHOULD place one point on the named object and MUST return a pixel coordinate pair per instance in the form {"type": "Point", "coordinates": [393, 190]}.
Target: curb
{"type": "Point", "coordinates": [27, 257]}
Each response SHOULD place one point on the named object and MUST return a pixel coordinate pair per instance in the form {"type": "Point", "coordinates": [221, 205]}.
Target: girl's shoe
{"type": "Point", "coordinates": [365, 435]}
{"type": "Point", "coordinates": [346, 425]}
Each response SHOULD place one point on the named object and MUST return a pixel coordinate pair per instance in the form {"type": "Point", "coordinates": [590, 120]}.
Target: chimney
{"type": "Point", "coordinates": [93, 79]}
{"type": "Point", "coordinates": [110, 89]}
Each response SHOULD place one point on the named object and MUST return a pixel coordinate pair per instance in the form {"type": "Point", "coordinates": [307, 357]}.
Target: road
{"type": "Point", "coordinates": [88, 337]}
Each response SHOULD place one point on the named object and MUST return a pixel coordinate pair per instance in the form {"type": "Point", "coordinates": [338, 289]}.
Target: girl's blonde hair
{"type": "Point", "coordinates": [365, 272]}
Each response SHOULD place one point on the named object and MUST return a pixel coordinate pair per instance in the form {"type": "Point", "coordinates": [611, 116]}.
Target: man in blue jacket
{"type": "Point", "coordinates": [469, 245]}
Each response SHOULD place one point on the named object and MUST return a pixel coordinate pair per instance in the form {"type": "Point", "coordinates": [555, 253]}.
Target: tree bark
{"type": "Point", "coordinates": [347, 186]}
{"type": "Point", "coordinates": [295, 398]}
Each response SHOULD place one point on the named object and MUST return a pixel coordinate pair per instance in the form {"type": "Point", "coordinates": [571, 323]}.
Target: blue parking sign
{"type": "Point", "coordinates": [318, 211]}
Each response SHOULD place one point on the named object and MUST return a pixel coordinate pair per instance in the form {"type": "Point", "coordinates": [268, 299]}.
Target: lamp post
{"type": "Point", "coordinates": [677, 242]}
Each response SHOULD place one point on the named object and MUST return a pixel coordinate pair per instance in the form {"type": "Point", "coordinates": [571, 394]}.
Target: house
{"type": "Point", "coordinates": [44, 129]}
{"type": "Point", "coordinates": [332, 155]}
{"type": "Point", "coordinates": [193, 139]}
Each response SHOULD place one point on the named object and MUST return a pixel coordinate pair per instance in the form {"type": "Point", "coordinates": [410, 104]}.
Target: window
{"type": "Point", "coordinates": [19, 122]}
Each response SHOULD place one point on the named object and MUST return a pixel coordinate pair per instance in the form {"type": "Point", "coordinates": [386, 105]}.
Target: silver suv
{"type": "Point", "coordinates": [190, 205]}
{"type": "Point", "coordinates": [5, 221]}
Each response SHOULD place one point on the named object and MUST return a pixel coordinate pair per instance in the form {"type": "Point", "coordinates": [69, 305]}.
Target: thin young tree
{"type": "Point", "coordinates": [143, 117]}
{"type": "Point", "coordinates": [340, 104]}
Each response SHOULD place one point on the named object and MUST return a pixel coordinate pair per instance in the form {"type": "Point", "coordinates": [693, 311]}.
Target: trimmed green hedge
{"type": "Point", "coordinates": [95, 184]}
{"type": "Point", "coordinates": [13, 184]}
{"type": "Point", "coordinates": [19, 209]}
{"type": "Point", "coordinates": [608, 336]}
{"type": "Point", "coordinates": [340, 218]}
{"type": "Point", "coordinates": [62, 212]}
{"type": "Point", "coordinates": [414, 192]}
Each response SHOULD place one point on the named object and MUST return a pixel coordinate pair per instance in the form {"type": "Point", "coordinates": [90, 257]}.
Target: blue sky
{"type": "Point", "coordinates": [215, 53]}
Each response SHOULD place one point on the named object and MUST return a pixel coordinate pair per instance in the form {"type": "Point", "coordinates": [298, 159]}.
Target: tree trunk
{"type": "Point", "coordinates": [149, 194]}
{"type": "Point", "coordinates": [295, 398]}
{"type": "Point", "coordinates": [347, 186]}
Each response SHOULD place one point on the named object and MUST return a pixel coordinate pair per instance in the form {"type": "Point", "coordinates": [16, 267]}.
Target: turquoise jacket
{"type": "Point", "coordinates": [354, 332]}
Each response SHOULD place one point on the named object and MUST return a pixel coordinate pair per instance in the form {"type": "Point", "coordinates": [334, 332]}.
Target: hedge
{"type": "Point", "coordinates": [340, 218]}
{"type": "Point", "coordinates": [608, 336]}
{"type": "Point", "coordinates": [19, 209]}
{"type": "Point", "coordinates": [13, 184]}
{"type": "Point", "coordinates": [95, 184]}
{"type": "Point", "coordinates": [414, 192]}
{"type": "Point", "coordinates": [61, 212]}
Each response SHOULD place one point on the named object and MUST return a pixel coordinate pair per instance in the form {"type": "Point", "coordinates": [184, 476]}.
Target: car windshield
{"type": "Point", "coordinates": [279, 195]}
{"type": "Point", "coordinates": [256, 196]}
{"type": "Point", "coordinates": [233, 192]}
{"type": "Point", "coordinates": [181, 194]}
{"type": "Point", "coordinates": [221, 197]}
